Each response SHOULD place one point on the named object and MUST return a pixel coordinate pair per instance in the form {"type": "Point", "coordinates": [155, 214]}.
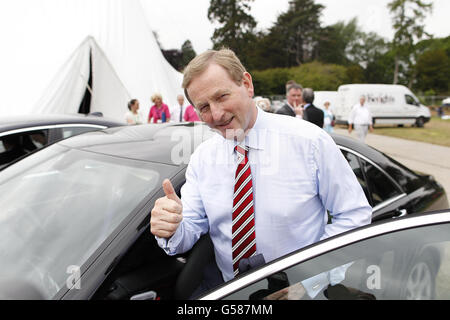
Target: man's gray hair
{"type": "Point", "coordinates": [308, 95]}
{"type": "Point", "coordinates": [295, 86]}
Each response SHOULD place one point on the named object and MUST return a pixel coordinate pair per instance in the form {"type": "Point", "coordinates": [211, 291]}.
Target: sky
{"type": "Point", "coordinates": [178, 20]}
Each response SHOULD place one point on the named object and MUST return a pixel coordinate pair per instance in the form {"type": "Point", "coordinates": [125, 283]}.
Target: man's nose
{"type": "Point", "coordinates": [217, 113]}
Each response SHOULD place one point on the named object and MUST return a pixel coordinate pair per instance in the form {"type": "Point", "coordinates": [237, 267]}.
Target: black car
{"type": "Point", "coordinates": [75, 215]}
{"type": "Point", "coordinates": [22, 135]}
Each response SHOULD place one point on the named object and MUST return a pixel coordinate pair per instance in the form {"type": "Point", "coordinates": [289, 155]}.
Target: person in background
{"type": "Point", "coordinates": [290, 83]}
{"type": "Point", "coordinates": [177, 111]}
{"type": "Point", "coordinates": [159, 112]}
{"type": "Point", "coordinates": [191, 115]}
{"type": "Point", "coordinates": [360, 119]}
{"type": "Point", "coordinates": [310, 112]}
{"type": "Point", "coordinates": [328, 121]}
{"type": "Point", "coordinates": [133, 115]}
{"type": "Point", "coordinates": [264, 104]}
{"type": "Point", "coordinates": [294, 104]}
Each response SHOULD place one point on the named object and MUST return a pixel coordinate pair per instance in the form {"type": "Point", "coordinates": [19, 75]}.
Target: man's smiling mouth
{"type": "Point", "coordinates": [225, 124]}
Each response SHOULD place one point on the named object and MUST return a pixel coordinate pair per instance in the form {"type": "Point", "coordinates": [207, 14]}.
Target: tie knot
{"type": "Point", "coordinates": [241, 154]}
{"type": "Point", "coordinates": [242, 150]}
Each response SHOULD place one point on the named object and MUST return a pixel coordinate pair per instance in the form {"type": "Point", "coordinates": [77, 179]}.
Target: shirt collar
{"type": "Point", "coordinates": [256, 136]}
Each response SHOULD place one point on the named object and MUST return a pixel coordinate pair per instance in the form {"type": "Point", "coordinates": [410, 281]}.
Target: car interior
{"type": "Point", "coordinates": [15, 146]}
{"type": "Point", "coordinates": [172, 277]}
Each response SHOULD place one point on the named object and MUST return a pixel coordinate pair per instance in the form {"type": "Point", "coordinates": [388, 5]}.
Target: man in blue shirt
{"type": "Point", "coordinates": [293, 170]}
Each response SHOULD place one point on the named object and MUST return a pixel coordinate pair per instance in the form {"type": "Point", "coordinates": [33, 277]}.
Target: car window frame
{"type": "Point", "coordinates": [53, 126]}
{"type": "Point", "coordinates": [415, 102]}
{"type": "Point", "coordinates": [325, 246]}
{"type": "Point", "coordinates": [386, 202]}
{"type": "Point", "coordinates": [364, 176]}
{"type": "Point", "coordinates": [25, 132]}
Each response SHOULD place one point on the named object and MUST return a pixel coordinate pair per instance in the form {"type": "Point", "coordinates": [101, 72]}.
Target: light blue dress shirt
{"type": "Point", "coordinates": [298, 174]}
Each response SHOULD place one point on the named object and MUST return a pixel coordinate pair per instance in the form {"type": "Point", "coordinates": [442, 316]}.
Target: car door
{"type": "Point", "coordinates": [402, 259]}
{"type": "Point", "coordinates": [383, 193]}
{"type": "Point", "coordinates": [410, 106]}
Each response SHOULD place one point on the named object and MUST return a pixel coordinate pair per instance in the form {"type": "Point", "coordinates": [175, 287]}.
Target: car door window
{"type": "Point", "coordinates": [381, 188]}
{"type": "Point", "coordinates": [17, 145]}
{"type": "Point", "coordinates": [410, 100]}
{"type": "Point", "coordinates": [408, 264]}
{"type": "Point", "coordinates": [355, 164]}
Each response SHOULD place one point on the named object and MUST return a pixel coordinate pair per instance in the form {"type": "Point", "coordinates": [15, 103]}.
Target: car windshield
{"type": "Point", "coordinates": [59, 205]}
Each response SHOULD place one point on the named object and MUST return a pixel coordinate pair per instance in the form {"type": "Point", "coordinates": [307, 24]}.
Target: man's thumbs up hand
{"type": "Point", "coordinates": [170, 191]}
{"type": "Point", "coordinates": [167, 213]}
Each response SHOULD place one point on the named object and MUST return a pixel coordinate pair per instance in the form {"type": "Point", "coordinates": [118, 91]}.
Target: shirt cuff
{"type": "Point", "coordinates": [170, 245]}
{"type": "Point", "coordinates": [315, 284]}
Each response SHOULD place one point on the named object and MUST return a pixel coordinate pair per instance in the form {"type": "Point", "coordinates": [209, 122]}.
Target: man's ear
{"type": "Point", "coordinates": [248, 84]}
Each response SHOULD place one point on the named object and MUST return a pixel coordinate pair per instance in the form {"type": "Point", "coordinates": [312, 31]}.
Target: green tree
{"type": "Point", "coordinates": [319, 76]}
{"type": "Point", "coordinates": [433, 69]}
{"type": "Point", "coordinates": [297, 31]}
{"type": "Point", "coordinates": [366, 48]}
{"type": "Point", "coordinates": [187, 53]}
{"type": "Point", "coordinates": [316, 75]}
{"type": "Point", "coordinates": [236, 25]}
{"type": "Point", "coordinates": [336, 42]}
{"type": "Point", "coordinates": [381, 68]}
{"type": "Point", "coordinates": [408, 23]}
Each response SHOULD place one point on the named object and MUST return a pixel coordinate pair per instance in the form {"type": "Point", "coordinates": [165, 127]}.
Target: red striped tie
{"type": "Point", "coordinates": [243, 227]}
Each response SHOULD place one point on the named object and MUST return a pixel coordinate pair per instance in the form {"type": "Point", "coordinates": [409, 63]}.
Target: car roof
{"type": "Point", "coordinates": [143, 142]}
{"type": "Point", "coordinates": [359, 147]}
{"type": "Point", "coordinates": [34, 120]}
{"type": "Point", "coordinates": [151, 142]}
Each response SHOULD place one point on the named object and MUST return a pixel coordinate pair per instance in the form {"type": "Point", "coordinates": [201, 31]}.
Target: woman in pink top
{"type": "Point", "coordinates": [156, 111]}
{"type": "Point", "coordinates": [190, 114]}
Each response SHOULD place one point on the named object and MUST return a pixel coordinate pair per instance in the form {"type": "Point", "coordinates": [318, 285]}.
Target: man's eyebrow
{"type": "Point", "coordinates": [220, 92]}
{"type": "Point", "coordinates": [215, 95]}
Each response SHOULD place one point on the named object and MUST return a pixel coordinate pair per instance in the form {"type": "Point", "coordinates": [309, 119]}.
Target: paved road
{"type": "Point", "coordinates": [419, 156]}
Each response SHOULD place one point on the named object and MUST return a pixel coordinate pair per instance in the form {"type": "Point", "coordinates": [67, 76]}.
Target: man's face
{"type": "Point", "coordinates": [222, 103]}
{"type": "Point", "coordinates": [362, 100]}
{"type": "Point", "coordinates": [294, 97]}
{"type": "Point", "coordinates": [180, 100]}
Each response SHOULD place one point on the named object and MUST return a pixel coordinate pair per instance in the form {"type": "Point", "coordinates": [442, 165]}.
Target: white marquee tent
{"type": "Point", "coordinates": [55, 50]}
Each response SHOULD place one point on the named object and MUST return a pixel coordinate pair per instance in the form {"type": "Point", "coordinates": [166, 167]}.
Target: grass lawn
{"type": "Point", "coordinates": [436, 131]}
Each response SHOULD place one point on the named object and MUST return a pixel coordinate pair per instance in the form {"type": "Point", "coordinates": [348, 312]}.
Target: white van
{"type": "Point", "coordinates": [389, 104]}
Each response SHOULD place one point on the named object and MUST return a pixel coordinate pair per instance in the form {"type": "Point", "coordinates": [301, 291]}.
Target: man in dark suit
{"type": "Point", "coordinates": [293, 107]}
{"type": "Point", "coordinates": [311, 113]}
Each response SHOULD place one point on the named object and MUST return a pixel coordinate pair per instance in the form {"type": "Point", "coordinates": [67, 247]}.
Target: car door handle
{"type": "Point", "coordinates": [400, 213]}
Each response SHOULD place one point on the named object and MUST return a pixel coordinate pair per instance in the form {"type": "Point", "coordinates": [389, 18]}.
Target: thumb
{"type": "Point", "coordinates": [170, 191]}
